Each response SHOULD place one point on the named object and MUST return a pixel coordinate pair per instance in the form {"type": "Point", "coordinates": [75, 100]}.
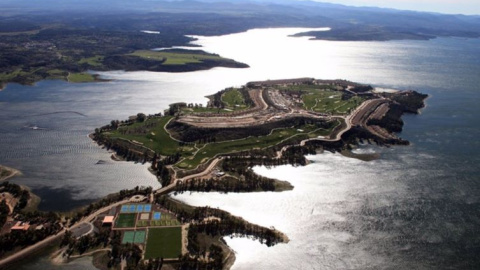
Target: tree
{"type": "Point", "coordinates": [141, 117]}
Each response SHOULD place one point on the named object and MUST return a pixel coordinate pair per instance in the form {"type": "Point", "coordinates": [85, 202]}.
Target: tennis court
{"type": "Point", "coordinates": [136, 208]}
{"type": "Point", "coordinates": [128, 237]}
{"type": "Point", "coordinates": [157, 216]}
{"type": "Point", "coordinates": [137, 237]}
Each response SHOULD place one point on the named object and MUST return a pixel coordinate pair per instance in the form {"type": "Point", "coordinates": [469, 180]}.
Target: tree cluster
{"type": "Point", "coordinates": [17, 192]}
{"type": "Point", "coordinates": [226, 224]}
{"type": "Point", "coordinates": [251, 182]}
{"type": "Point", "coordinates": [20, 239]}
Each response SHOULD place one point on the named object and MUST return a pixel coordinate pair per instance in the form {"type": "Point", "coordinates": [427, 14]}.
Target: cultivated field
{"type": "Point", "coordinates": [175, 58]}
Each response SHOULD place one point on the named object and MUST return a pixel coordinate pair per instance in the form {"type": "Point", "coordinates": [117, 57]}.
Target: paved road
{"type": "Point", "coordinates": [171, 187]}
{"type": "Point", "coordinates": [83, 229]}
{"type": "Point", "coordinates": [80, 226]}
{"type": "Point", "coordinates": [361, 112]}
{"type": "Point", "coordinates": [26, 251]}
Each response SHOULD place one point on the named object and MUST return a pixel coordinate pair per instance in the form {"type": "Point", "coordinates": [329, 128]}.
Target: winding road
{"type": "Point", "coordinates": [356, 117]}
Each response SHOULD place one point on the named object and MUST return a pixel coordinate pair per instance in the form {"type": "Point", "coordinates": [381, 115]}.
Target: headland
{"type": "Point", "coordinates": [213, 147]}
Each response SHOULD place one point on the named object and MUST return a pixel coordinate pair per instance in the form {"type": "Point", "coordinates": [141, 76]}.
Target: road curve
{"type": "Point", "coordinates": [358, 113]}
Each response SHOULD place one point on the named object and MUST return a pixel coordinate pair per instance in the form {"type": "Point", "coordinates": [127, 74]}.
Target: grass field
{"type": "Point", "coordinates": [156, 138]}
{"type": "Point", "coordinates": [233, 99]}
{"type": "Point", "coordinates": [153, 135]}
{"type": "Point", "coordinates": [93, 61]}
{"type": "Point", "coordinates": [330, 102]}
{"type": "Point", "coordinates": [143, 223]}
{"type": "Point", "coordinates": [164, 243]}
{"type": "Point", "coordinates": [175, 58]}
{"type": "Point", "coordinates": [324, 99]}
{"type": "Point", "coordinates": [125, 220]}
{"type": "Point", "coordinates": [80, 77]}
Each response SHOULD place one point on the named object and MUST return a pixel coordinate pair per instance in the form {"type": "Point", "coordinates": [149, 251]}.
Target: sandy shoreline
{"type": "Point", "coordinates": [7, 173]}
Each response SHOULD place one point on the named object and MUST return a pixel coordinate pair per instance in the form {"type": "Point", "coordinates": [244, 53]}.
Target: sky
{"type": "Point", "coordinates": [468, 7]}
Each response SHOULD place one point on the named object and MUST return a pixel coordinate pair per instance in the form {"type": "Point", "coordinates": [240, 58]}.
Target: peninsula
{"type": "Point", "coordinates": [213, 147]}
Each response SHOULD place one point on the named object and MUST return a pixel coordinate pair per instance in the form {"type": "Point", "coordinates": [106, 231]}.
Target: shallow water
{"type": "Point", "coordinates": [415, 207]}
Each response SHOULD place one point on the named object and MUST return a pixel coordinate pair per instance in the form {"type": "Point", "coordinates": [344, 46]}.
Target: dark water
{"type": "Point", "coordinates": [417, 207]}
{"type": "Point", "coordinates": [57, 159]}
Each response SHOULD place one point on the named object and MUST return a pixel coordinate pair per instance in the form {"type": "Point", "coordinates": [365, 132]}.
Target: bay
{"type": "Point", "coordinates": [415, 207]}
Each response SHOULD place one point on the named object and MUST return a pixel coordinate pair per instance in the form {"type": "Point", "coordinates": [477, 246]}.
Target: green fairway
{"type": "Point", "coordinates": [330, 102]}
{"type": "Point", "coordinates": [152, 134]}
{"type": "Point", "coordinates": [233, 99]}
{"type": "Point", "coordinates": [176, 58]}
{"type": "Point", "coordinates": [325, 99]}
{"type": "Point", "coordinates": [164, 243]}
{"type": "Point", "coordinates": [154, 137]}
{"type": "Point", "coordinates": [125, 220]}
{"type": "Point", "coordinates": [277, 136]}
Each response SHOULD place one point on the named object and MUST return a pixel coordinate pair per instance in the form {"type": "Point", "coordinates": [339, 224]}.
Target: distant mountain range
{"type": "Point", "coordinates": [348, 23]}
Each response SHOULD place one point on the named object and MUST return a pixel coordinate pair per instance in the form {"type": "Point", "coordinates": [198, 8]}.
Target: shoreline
{"type": "Point", "coordinates": [354, 128]}
{"type": "Point", "coordinates": [11, 172]}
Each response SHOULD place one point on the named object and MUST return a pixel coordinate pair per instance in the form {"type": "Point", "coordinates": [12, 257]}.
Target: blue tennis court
{"type": "Point", "coordinates": [136, 208]}
{"type": "Point", "coordinates": [157, 216]}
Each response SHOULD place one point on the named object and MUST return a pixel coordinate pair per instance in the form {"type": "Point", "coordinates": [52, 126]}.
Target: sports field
{"type": "Point", "coordinates": [136, 208]}
{"type": "Point", "coordinates": [164, 243]}
{"type": "Point", "coordinates": [137, 237]}
{"type": "Point", "coordinates": [125, 220]}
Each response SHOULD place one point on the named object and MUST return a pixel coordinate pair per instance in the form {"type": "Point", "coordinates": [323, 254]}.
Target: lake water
{"type": "Point", "coordinates": [415, 207]}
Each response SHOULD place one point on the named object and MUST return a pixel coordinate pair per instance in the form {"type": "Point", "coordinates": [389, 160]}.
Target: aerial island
{"type": "Point", "coordinates": [206, 148]}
